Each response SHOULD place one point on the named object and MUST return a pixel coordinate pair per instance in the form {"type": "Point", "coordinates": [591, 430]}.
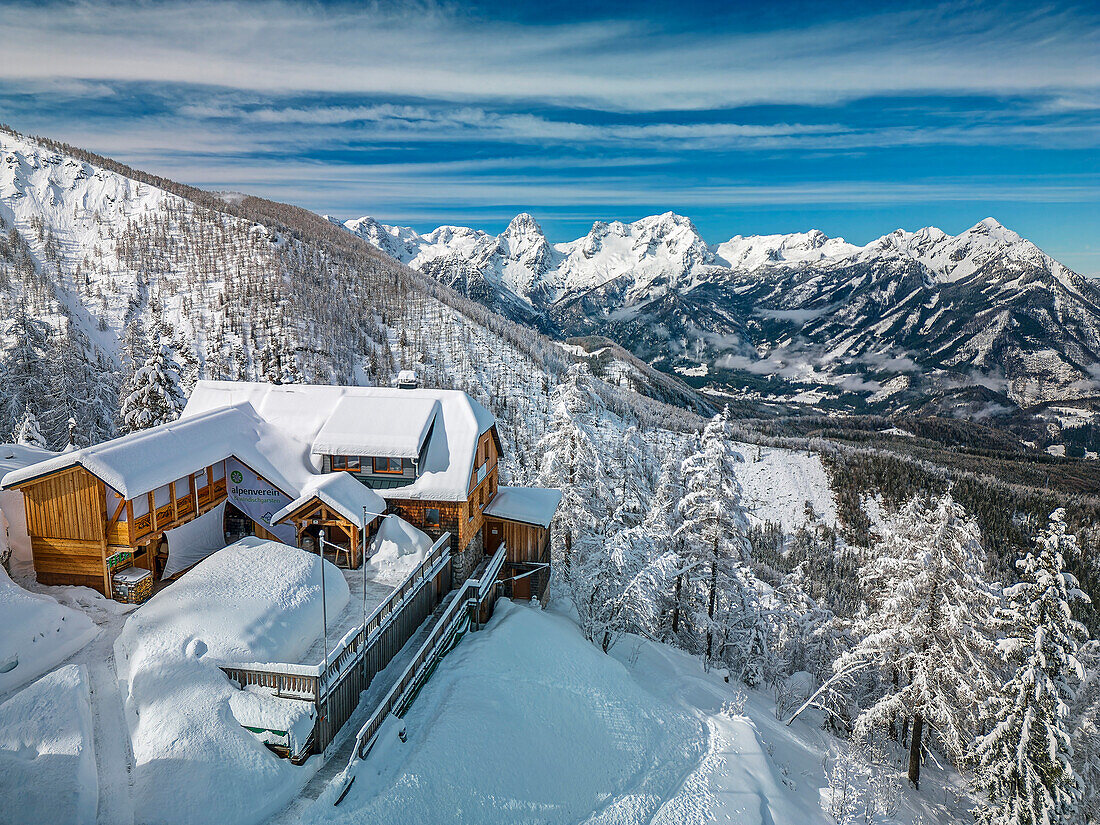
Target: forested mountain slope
{"type": "Point", "coordinates": [95, 258]}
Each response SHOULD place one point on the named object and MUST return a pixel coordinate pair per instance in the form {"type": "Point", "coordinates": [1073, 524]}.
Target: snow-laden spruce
{"type": "Point", "coordinates": [925, 632]}
{"type": "Point", "coordinates": [713, 542]}
{"type": "Point", "coordinates": [1025, 768]}
{"type": "Point", "coordinates": [154, 395]}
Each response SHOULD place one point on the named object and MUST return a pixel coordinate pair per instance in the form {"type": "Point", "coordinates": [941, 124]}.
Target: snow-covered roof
{"type": "Point", "coordinates": [17, 456]}
{"type": "Point", "coordinates": [139, 462]}
{"type": "Point", "coordinates": [277, 429]}
{"type": "Point", "coordinates": [530, 505]}
{"type": "Point", "coordinates": [304, 410]}
{"type": "Point", "coordinates": [342, 493]}
{"type": "Point", "coordinates": [393, 426]}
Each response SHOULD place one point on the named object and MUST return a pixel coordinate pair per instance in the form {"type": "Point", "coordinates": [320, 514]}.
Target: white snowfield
{"type": "Point", "coordinates": [776, 484]}
{"type": "Point", "coordinates": [47, 758]}
{"type": "Point", "coordinates": [255, 600]}
{"type": "Point", "coordinates": [37, 634]}
{"type": "Point", "coordinates": [526, 722]}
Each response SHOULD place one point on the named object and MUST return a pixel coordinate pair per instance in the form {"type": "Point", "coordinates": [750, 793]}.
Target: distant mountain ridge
{"type": "Point", "coordinates": [906, 319]}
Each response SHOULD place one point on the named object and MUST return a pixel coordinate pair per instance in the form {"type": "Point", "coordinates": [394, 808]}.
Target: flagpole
{"type": "Point", "coordinates": [324, 621]}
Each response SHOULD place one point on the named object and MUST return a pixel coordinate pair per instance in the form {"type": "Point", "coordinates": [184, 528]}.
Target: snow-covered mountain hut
{"type": "Point", "coordinates": [283, 462]}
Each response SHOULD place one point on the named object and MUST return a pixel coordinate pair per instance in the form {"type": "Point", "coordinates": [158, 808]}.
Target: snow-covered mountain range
{"type": "Point", "coordinates": [980, 316]}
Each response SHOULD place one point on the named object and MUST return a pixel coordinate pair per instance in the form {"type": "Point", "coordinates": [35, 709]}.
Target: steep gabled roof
{"type": "Point", "coordinates": [342, 493]}
{"type": "Point", "coordinates": [143, 461]}
{"type": "Point", "coordinates": [305, 409]}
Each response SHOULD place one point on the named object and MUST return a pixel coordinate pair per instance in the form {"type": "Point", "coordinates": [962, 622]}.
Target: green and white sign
{"type": "Point", "coordinates": [258, 499]}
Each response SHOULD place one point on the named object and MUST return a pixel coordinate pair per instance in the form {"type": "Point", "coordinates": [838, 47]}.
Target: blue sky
{"type": "Point", "coordinates": [855, 118]}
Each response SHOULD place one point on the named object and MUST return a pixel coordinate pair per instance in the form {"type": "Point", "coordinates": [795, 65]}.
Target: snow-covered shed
{"type": "Point", "coordinates": [520, 517]}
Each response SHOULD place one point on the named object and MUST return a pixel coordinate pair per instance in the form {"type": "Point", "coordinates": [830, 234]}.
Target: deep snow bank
{"type": "Point", "coordinates": [47, 761]}
{"type": "Point", "coordinates": [38, 633]}
{"type": "Point", "coordinates": [255, 600]}
{"type": "Point", "coordinates": [396, 550]}
{"type": "Point", "coordinates": [525, 722]}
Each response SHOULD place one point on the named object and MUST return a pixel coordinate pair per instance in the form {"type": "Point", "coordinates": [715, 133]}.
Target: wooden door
{"type": "Point", "coordinates": [521, 588]}
{"type": "Point", "coordinates": [494, 535]}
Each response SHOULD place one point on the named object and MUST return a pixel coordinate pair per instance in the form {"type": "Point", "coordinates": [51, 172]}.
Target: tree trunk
{"type": "Point", "coordinates": [711, 602]}
{"type": "Point", "coordinates": [914, 751]}
{"type": "Point", "coordinates": [676, 604]}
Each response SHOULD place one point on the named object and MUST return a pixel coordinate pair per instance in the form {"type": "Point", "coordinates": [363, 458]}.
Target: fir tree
{"type": "Point", "coordinates": [714, 523]}
{"type": "Point", "coordinates": [926, 629]}
{"type": "Point", "coordinates": [27, 432]}
{"type": "Point", "coordinates": [154, 394]}
{"type": "Point", "coordinates": [1025, 770]}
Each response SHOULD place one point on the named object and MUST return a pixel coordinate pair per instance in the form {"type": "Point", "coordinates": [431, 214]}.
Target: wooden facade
{"type": "Point", "coordinates": [314, 515]}
{"type": "Point", "coordinates": [464, 520]}
{"type": "Point", "coordinates": [527, 555]}
{"type": "Point", "coordinates": [81, 530]}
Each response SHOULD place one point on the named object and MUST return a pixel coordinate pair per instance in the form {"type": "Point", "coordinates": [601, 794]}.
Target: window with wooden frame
{"type": "Point", "coordinates": [388, 465]}
{"type": "Point", "coordinates": [431, 516]}
{"type": "Point", "coordinates": [349, 463]}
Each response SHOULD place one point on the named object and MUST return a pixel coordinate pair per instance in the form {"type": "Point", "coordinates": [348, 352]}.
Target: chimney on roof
{"type": "Point", "coordinates": [407, 380]}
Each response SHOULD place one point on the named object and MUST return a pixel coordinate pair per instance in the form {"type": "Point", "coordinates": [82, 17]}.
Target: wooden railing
{"type": "Point", "coordinates": [472, 597]}
{"type": "Point", "coordinates": [353, 669]}
{"type": "Point", "coordinates": [335, 686]}
{"type": "Point", "coordinates": [428, 569]}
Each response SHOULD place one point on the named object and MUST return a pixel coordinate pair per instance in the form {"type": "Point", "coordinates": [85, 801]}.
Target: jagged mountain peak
{"type": "Point", "coordinates": [975, 301]}
{"type": "Point", "coordinates": [523, 224]}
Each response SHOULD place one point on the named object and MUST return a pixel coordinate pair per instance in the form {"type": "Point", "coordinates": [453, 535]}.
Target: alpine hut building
{"type": "Point", "coordinates": [284, 462]}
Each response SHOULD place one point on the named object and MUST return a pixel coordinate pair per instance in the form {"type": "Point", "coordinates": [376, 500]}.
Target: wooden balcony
{"type": "Point", "coordinates": [172, 514]}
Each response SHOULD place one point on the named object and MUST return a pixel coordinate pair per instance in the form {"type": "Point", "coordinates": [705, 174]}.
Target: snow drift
{"type": "Point", "coordinates": [38, 634]}
{"type": "Point", "coordinates": [47, 760]}
{"type": "Point", "coordinates": [396, 550]}
{"type": "Point", "coordinates": [255, 600]}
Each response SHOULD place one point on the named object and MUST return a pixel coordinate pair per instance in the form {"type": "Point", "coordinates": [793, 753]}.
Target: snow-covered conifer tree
{"type": "Point", "coordinates": [27, 432]}
{"type": "Point", "coordinates": [154, 395]}
{"type": "Point", "coordinates": [926, 630]}
{"type": "Point", "coordinates": [573, 463]}
{"type": "Point", "coordinates": [1025, 769]}
{"type": "Point", "coordinates": [661, 525]}
{"type": "Point", "coordinates": [714, 525]}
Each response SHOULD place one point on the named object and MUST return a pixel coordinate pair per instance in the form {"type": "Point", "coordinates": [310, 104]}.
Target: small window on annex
{"type": "Point", "coordinates": [431, 516]}
{"type": "Point", "coordinates": [387, 465]}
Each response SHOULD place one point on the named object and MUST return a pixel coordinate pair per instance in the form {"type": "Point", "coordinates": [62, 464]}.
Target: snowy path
{"type": "Point", "coordinates": [114, 756]}
{"type": "Point", "coordinates": [737, 780]}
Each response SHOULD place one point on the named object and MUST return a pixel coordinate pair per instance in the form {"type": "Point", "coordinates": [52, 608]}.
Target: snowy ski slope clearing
{"type": "Point", "coordinates": [47, 761]}
{"type": "Point", "coordinates": [255, 600]}
{"type": "Point", "coordinates": [526, 722]}
{"type": "Point", "coordinates": [777, 483]}
{"type": "Point", "coordinates": [38, 634]}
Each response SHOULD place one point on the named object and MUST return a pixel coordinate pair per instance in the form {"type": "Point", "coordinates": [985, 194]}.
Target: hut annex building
{"type": "Point", "coordinates": [284, 462]}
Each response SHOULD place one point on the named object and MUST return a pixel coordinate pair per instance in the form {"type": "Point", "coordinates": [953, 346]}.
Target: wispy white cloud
{"type": "Point", "coordinates": [280, 46]}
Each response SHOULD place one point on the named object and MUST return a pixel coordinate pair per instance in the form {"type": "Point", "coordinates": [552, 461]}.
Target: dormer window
{"type": "Point", "coordinates": [388, 465]}
{"type": "Point", "coordinates": [350, 463]}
